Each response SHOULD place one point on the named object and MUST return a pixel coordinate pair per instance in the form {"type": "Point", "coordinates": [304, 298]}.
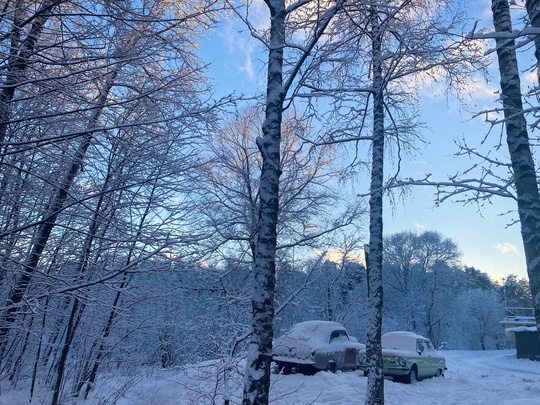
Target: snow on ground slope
{"type": "Point", "coordinates": [472, 378]}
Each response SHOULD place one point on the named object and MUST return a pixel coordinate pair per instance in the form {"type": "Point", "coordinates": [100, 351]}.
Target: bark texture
{"type": "Point", "coordinates": [259, 359]}
{"type": "Point", "coordinates": [375, 387]}
{"type": "Point", "coordinates": [517, 138]}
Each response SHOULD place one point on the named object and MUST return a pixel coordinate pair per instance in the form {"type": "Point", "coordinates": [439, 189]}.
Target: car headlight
{"type": "Point", "coordinates": [401, 362]}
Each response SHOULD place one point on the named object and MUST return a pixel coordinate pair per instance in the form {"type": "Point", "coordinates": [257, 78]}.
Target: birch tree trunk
{"type": "Point", "coordinates": [259, 357]}
{"type": "Point", "coordinates": [517, 139]}
{"type": "Point", "coordinates": [375, 386]}
{"type": "Point", "coordinates": [257, 377]}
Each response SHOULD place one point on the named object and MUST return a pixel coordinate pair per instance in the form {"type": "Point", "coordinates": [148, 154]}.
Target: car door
{"type": "Point", "coordinates": [435, 361]}
{"type": "Point", "coordinates": [335, 356]}
{"type": "Point", "coordinates": [421, 361]}
{"type": "Point", "coordinates": [431, 359]}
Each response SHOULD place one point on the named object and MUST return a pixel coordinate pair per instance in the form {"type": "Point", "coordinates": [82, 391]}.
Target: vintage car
{"type": "Point", "coordinates": [408, 357]}
{"type": "Point", "coordinates": [313, 346]}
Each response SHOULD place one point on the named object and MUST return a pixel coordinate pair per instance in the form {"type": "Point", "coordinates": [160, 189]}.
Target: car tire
{"type": "Point", "coordinates": [412, 377]}
{"type": "Point", "coordinates": [331, 366]}
{"type": "Point", "coordinates": [439, 373]}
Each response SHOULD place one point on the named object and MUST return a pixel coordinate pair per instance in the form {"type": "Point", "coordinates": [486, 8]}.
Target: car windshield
{"type": "Point", "coordinates": [424, 346]}
{"type": "Point", "coordinates": [338, 335]}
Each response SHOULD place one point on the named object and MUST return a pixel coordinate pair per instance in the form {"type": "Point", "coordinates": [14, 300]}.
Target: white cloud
{"type": "Point", "coordinates": [242, 49]}
{"type": "Point", "coordinates": [529, 79]}
{"type": "Point", "coordinates": [420, 226]}
{"type": "Point", "coordinates": [506, 247]}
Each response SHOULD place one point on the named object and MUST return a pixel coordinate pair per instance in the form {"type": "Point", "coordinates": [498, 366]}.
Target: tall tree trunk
{"type": "Point", "coordinates": [73, 323]}
{"type": "Point", "coordinates": [517, 139]}
{"type": "Point", "coordinates": [17, 364]}
{"type": "Point", "coordinates": [89, 375]}
{"type": "Point", "coordinates": [375, 386]}
{"type": "Point", "coordinates": [259, 358]}
{"type": "Point", "coordinates": [38, 353]}
{"type": "Point", "coordinates": [257, 378]}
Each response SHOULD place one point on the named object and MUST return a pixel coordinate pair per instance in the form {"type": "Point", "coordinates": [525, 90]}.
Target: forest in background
{"type": "Point", "coordinates": [140, 221]}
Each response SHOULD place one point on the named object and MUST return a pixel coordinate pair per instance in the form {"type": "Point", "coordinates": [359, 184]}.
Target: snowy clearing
{"type": "Point", "coordinates": [473, 377]}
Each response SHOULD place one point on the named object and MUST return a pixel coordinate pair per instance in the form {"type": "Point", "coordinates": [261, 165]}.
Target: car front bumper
{"type": "Point", "coordinates": [396, 370]}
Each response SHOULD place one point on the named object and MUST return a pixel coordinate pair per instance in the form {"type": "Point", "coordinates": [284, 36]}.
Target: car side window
{"type": "Point", "coordinates": [420, 347]}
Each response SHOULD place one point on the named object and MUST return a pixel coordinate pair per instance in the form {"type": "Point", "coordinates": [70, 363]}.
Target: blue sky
{"type": "Point", "coordinates": [487, 243]}
{"type": "Point", "coordinates": [483, 234]}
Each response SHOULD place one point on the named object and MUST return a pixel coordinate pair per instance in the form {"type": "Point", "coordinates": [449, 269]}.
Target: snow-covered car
{"type": "Point", "coordinates": [313, 346]}
{"type": "Point", "coordinates": [408, 357]}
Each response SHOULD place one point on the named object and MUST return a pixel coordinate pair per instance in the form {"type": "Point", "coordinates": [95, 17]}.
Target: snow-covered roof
{"type": "Point", "coordinates": [401, 340]}
{"type": "Point", "coordinates": [316, 331]}
{"type": "Point", "coordinates": [522, 329]}
{"type": "Point", "coordinates": [518, 321]}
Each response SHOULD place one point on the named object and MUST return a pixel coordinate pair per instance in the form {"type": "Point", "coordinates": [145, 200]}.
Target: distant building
{"type": "Point", "coordinates": [520, 327]}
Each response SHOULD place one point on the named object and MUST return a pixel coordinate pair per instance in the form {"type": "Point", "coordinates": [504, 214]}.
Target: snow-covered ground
{"type": "Point", "coordinates": [472, 378]}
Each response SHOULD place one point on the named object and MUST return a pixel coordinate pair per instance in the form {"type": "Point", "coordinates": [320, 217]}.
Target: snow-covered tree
{"type": "Point", "coordinates": [517, 139]}
{"type": "Point", "coordinates": [478, 325]}
{"type": "Point", "coordinates": [311, 18]}
{"type": "Point", "coordinates": [99, 130]}
{"type": "Point", "coordinates": [227, 194]}
{"type": "Point", "coordinates": [419, 274]}
{"type": "Point", "coordinates": [378, 55]}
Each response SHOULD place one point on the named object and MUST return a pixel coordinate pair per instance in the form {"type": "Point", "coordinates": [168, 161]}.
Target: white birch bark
{"type": "Point", "coordinates": [375, 386]}
{"type": "Point", "coordinates": [517, 139]}
{"type": "Point", "coordinates": [257, 377]}
{"type": "Point", "coordinates": [259, 357]}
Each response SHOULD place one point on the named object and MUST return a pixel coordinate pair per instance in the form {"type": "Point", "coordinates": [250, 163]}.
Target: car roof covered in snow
{"type": "Point", "coordinates": [403, 333]}
{"type": "Point", "coordinates": [401, 340]}
{"type": "Point", "coordinates": [316, 329]}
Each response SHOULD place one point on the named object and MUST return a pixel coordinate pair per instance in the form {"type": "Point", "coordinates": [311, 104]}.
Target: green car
{"type": "Point", "coordinates": [408, 357]}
